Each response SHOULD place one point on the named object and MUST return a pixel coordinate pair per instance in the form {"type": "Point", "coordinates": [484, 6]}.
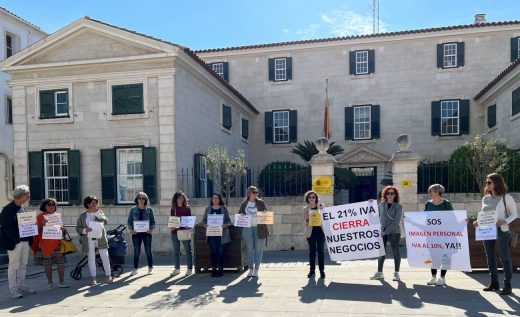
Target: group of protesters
{"type": "Point", "coordinates": [254, 237]}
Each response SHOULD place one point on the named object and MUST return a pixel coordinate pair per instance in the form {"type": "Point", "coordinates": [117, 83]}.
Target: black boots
{"type": "Point", "coordinates": [507, 290]}
{"type": "Point", "coordinates": [322, 274]}
{"type": "Point", "coordinates": [493, 286]}
{"type": "Point", "coordinates": [311, 274]}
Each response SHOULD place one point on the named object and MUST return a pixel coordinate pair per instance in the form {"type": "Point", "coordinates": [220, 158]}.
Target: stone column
{"type": "Point", "coordinates": [322, 164]}
{"type": "Point", "coordinates": [404, 170]}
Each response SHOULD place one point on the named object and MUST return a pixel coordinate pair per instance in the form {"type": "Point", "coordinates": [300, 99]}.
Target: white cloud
{"type": "Point", "coordinates": [285, 30]}
{"type": "Point", "coordinates": [310, 32]}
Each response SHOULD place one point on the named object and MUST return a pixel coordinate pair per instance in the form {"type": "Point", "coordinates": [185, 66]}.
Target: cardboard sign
{"type": "Point", "coordinates": [27, 226]}
{"type": "Point", "coordinates": [52, 233]}
{"type": "Point", "coordinates": [26, 218]}
{"type": "Point", "coordinates": [188, 221]}
{"type": "Point", "coordinates": [243, 221]}
{"type": "Point", "coordinates": [264, 218]}
{"type": "Point", "coordinates": [174, 222]}
{"type": "Point", "coordinates": [215, 220]}
{"type": "Point", "coordinates": [142, 226]}
{"type": "Point", "coordinates": [53, 219]}
{"type": "Point", "coordinates": [212, 231]}
{"type": "Point", "coordinates": [315, 218]}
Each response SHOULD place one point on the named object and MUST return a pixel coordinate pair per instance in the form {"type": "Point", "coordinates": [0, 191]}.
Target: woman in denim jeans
{"type": "Point", "coordinates": [504, 206]}
{"type": "Point", "coordinates": [216, 244]}
{"type": "Point", "coordinates": [254, 242]}
{"type": "Point", "coordinates": [180, 208]}
{"type": "Point", "coordinates": [141, 212]}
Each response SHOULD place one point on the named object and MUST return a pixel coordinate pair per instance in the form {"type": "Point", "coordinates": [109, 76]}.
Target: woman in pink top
{"type": "Point", "coordinates": [180, 208]}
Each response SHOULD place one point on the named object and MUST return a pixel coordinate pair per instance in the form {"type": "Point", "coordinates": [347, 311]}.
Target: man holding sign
{"type": "Point", "coordinates": [216, 216]}
{"type": "Point", "coordinates": [17, 247]}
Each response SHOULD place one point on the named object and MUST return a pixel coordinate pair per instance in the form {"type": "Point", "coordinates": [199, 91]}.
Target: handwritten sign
{"type": "Point", "coordinates": [487, 228]}
{"type": "Point", "coordinates": [52, 233]}
{"type": "Point", "coordinates": [485, 233]}
{"type": "Point", "coordinates": [141, 226]}
{"type": "Point", "coordinates": [188, 221]}
{"type": "Point", "coordinates": [174, 222]}
{"type": "Point", "coordinates": [212, 231]}
{"type": "Point", "coordinates": [315, 218]}
{"type": "Point", "coordinates": [215, 220]}
{"type": "Point", "coordinates": [53, 219]}
{"type": "Point", "coordinates": [243, 221]}
{"type": "Point", "coordinates": [264, 218]}
{"type": "Point", "coordinates": [27, 226]}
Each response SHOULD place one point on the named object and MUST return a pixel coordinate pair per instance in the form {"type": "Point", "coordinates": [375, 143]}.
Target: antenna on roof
{"type": "Point", "coordinates": [375, 16]}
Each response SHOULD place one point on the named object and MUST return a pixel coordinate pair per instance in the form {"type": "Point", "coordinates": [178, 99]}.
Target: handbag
{"type": "Point", "coordinates": [513, 235]}
{"type": "Point", "coordinates": [262, 231]}
{"type": "Point", "coordinates": [66, 244]}
{"type": "Point", "coordinates": [184, 235]}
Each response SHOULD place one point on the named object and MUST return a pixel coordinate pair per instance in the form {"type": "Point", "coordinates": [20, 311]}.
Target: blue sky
{"type": "Point", "coordinates": [211, 24]}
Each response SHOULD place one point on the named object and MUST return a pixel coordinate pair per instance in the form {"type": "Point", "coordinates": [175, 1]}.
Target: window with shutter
{"type": "Point", "coordinates": [492, 116]}
{"type": "Point", "coordinates": [245, 128]}
{"type": "Point", "coordinates": [280, 126]}
{"type": "Point", "coordinates": [54, 103]}
{"type": "Point", "coordinates": [226, 117]}
{"type": "Point", "coordinates": [127, 99]}
{"type": "Point", "coordinates": [450, 116]}
{"type": "Point", "coordinates": [129, 168]}
{"type": "Point", "coordinates": [362, 122]}
{"type": "Point", "coordinates": [280, 69]}
{"type": "Point", "coordinates": [515, 101]}
{"type": "Point", "coordinates": [56, 175]}
{"type": "Point", "coordinates": [450, 55]}
{"type": "Point", "coordinates": [8, 110]}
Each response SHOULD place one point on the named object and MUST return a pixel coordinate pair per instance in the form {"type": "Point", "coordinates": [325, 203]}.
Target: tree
{"type": "Point", "coordinates": [223, 170]}
{"type": "Point", "coordinates": [308, 149]}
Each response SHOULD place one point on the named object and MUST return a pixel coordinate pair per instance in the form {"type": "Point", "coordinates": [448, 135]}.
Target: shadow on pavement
{"type": "Point", "coordinates": [246, 287]}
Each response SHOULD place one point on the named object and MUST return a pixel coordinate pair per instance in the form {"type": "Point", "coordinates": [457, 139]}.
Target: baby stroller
{"type": "Point", "coordinates": [117, 249]}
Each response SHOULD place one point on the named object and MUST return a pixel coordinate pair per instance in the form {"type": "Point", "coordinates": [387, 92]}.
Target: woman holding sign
{"type": "Point", "coordinates": [390, 213]}
{"type": "Point", "coordinates": [437, 203]}
{"type": "Point", "coordinates": [314, 233]}
{"type": "Point", "coordinates": [254, 236]}
{"type": "Point", "coordinates": [504, 206]}
{"type": "Point", "coordinates": [141, 223]}
{"type": "Point", "coordinates": [181, 209]}
{"type": "Point", "coordinates": [48, 250]}
{"type": "Point", "coordinates": [216, 243]}
{"type": "Point", "coordinates": [91, 229]}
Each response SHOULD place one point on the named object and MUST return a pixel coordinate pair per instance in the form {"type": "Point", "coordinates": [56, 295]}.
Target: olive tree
{"type": "Point", "coordinates": [223, 170]}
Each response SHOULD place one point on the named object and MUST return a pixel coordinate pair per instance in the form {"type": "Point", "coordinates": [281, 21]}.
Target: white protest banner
{"type": "Point", "coordinates": [53, 219]}
{"type": "Point", "coordinates": [212, 231]}
{"type": "Point", "coordinates": [174, 222]}
{"type": "Point", "coordinates": [243, 221]}
{"type": "Point", "coordinates": [27, 226]}
{"type": "Point", "coordinates": [215, 220]}
{"type": "Point", "coordinates": [97, 229]}
{"type": "Point", "coordinates": [437, 239]}
{"type": "Point", "coordinates": [485, 233]}
{"type": "Point", "coordinates": [265, 217]}
{"type": "Point", "coordinates": [52, 233]}
{"type": "Point", "coordinates": [141, 226]}
{"type": "Point", "coordinates": [487, 228]}
{"type": "Point", "coordinates": [353, 231]}
{"type": "Point", "coordinates": [188, 221]}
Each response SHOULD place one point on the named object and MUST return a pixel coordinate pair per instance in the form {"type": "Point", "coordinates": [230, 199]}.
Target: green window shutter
{"type": "Point", "coordinates": [150, 173]}
{"type": "Point", "coordinates": [9, 111]}
{"type": "Point", "coordinates": [293, 126]}
{"type": "Point", "coordinates": [47, 104]}
{"type": "Point", "coordinates": [375, 124]}
{"type": "Point", "coordinates": [36, 178]}
{"type": "Point", "coordinates": [492, 116]}
{"type": "Point", "coordinates": [460, 54]}
{"type": "Point", "coordinates": [245, 128]}
{"type": "Point", "coordinates": [226, 71]}
{"type": "Point", "coordinates": [268, 123]}
{"type": "Point", "coordinates": [135, 98]}
{"type": "Point", "coordinates": [514, 49]}
{"type": "Point", "coordinates": [271, 69]}
{"type": "Point", "coordinates": [119, 100]}
{"type": "Point", "coordinates": [226, 117]}
{"type": "Point", "coordinates": [349, 123]}
{"type": "Point", "coordinates": [108, 176]}
{"type": "Point", "coordinates": [371, 61]}
{"type": "Point", "coordinates": [196, 173]}
{"type": "Point", "coordinates": [440, 55]}
{"type": "Point", "coordinates": [288, 65]}
{"type": "Point", "coordinates": [436, 118]}
{"type": "Point", "coordinates": [515, 102]}
{"type": "Point", "coordinates": [464, 116]}
{"type": "Point", "coordinates": [352, 62]}
{"type": "Point", "coordinates": [74, 173]}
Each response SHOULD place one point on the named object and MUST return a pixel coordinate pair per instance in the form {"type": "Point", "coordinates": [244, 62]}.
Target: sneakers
{"type": "Point", "coordinates": [16, 295]}
{"type": "Point", "coordinates": [189, 272]}
{"type": "Point", "coordinates": [322, 274]}
{"type": "Point", "coordinates": [433, 281]}
{"type": "Point", "coordinates": [150, 270]}
{"type": "Point", "coordinates": [250, 274]}
{"type": "Point", "coordinates": [109, 279]}
{"type": "Point", "coordinates": [396, 277]}
{"type": "Point", "coordinates": [255, 273]}
{"type": "Point", "coordinates": [50, 286]}
{"type": "Point", "coordinates": [311, 274]}
{"type": "Point", "coordinates": [134, 272]}
{"type": "Point", "coordinates": [175, 272]}
{"type": "Point", "coordinates": [378, 276]}
{"type": "Point", "coordinates": [26, 291]}
{"type": "Point", "coordinates": [441, 281]}
{"type": "Point", "coordinates": [63, 285]}
{"type": "Point", "coordinates": [93, 282]}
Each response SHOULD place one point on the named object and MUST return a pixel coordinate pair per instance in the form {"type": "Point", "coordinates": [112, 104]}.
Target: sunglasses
{"type": "Point", "coordinates": [312, 197]}
{"type": "Point", "coordinates": [255, 192]}
{"type": "Point", "coordinates": [390, 194]}
{"type": "Point", "coordinates": [489, 183]}
{"type": "Point", "coordinates": [141, 198]}
{"type": "Point", "coordinates": [51, 204]}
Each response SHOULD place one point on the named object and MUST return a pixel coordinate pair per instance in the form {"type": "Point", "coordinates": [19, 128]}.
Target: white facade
{"type": "Point", "coordinates": [17, 34]}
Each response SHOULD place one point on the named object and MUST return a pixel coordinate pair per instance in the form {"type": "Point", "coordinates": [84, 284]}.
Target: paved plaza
{"type": "Point", "coordinates": [281, 290]}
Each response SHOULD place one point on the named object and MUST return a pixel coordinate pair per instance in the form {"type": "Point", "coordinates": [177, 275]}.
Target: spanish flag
{"type": "Point", "coordinates": [326, 119]}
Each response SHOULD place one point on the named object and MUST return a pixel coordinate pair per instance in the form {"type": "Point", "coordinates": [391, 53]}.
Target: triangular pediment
{"type": "Point", "coordinates": [88, 40]}
{"type": "Point", "coordinates": [363, 154]}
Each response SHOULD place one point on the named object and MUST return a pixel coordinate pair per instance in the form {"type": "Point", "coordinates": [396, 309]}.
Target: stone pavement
{"type": "Point", "coordinates": [282, 288]}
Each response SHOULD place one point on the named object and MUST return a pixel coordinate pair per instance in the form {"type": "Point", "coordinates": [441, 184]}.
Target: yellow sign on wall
{"type": "Point", "coordinates": [406, 183]}
{"type": "Point", "coordinates": [322, 185]}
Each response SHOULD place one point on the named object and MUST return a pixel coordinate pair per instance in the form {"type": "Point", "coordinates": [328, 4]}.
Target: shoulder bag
{"type": "Point", "coordinates": [513, 235]}
{"type": "Point", "coordinates": [66, 244]}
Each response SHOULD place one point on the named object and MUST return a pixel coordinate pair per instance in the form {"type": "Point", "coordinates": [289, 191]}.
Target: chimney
{"type": "Point", "coordinates": [480, 18]}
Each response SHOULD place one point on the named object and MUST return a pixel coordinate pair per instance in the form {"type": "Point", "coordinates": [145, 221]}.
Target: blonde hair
{"type": "Point", "coordinates": [250, 189]}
